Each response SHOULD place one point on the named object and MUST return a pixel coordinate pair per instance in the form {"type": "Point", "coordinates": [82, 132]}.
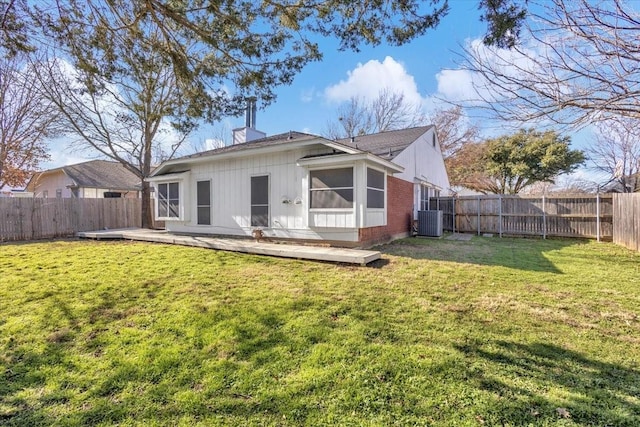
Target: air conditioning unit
{"type": "Point", "coordinates": [430, 223]}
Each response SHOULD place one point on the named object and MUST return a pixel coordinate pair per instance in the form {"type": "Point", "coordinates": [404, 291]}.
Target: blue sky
{"type": "Point", "coordinates": [424, 70]}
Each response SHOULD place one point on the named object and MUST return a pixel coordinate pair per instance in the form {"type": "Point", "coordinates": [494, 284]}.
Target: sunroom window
{"type": "Point", "coordinates": [331, 188]}
{"type": "Point", "coordinates": [375, 189]}
{"type": "Point", "coordinates": [169, 200]}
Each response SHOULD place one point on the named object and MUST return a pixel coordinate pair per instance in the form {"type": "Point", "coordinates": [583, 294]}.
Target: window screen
{"type": "Point", "coordinates": [260, 201]}
{"type": "Point", "coordinates": [375, 189]}
{"type": "Point", "coordinates": [203, 202]}
{"type": "Point", "coordinates": [332, 188]}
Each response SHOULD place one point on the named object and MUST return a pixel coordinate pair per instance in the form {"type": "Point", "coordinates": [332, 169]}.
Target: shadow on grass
{"type": "Point", "coordinates": [593, 392]}
{"type": "Point", "coordinates": [517, 253]}
{"type": "Point", "coordinates": [144, 388]}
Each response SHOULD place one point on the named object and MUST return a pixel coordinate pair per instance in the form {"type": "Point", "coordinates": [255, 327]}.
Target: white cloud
{"type": "Point", "coordinates": [455, 85]}
{"type": "Point", "coordinates": [307, 95]}
{"type": "Point", "coordinates": [368, 79]}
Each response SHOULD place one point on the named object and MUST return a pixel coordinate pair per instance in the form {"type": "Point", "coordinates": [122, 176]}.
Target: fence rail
{"type": "Point", "coordinates": [566, 216]}
{"type": "Point", "coordinates": [36, 218]}
{"type": "Point", "coordinates": [626, 226]}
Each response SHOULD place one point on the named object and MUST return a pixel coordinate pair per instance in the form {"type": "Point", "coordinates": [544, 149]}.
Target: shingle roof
{"type": "Point", "coordinates": [102, 174]}
{"type": "Point", "coordinates": [282, 138]}
{"type": "Point", "coordinates": [386, 144]}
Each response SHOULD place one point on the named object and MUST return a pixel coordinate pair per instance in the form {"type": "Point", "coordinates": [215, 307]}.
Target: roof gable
{"type": "Point", "coordinates": [386, 144]}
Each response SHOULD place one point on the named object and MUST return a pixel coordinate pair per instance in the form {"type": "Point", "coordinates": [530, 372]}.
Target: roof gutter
{"type": "Point", "coordinates": [348, 158]}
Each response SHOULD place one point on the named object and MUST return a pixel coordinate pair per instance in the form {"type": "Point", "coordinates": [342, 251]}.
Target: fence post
{"type": "Point", "coordinates": [478, 215]}
{"type": "Point", "coordinates": [500, 214]}
{"type": "Point", "coordinates": [453, 199]}
{"type": "Point", "coordinates": [544, 218]}
{"type": "Point", "coordinates": [598, 216]}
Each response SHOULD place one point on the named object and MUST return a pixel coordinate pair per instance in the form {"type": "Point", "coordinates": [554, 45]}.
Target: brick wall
{"type": "Point", "coordinates": [399, 214]}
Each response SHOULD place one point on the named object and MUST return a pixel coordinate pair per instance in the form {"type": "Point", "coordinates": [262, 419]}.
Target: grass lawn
{"type": "Point", "coordinates": [487, 332]}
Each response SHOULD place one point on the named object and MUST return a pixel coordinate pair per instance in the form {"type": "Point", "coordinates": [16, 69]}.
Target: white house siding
{"type": "Point", "coordinates": [423, 164]}
{"type": "Point", "coordinates": [231, 192]}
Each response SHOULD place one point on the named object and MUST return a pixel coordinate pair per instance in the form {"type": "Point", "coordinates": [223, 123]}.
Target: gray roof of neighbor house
{"type": "Point", "coordinates": [386, 144]}
{"type": "Point", "coordinates": [102, 174]}
{"type": "Point", "coordinates": [97, 174]}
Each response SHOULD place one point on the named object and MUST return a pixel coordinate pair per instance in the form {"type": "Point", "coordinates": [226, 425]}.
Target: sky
{"type": "Point", "coordinates": [424, 70]}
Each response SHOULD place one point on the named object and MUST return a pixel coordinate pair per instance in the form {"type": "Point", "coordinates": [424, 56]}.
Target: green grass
{"type": "Point", "coordinates": [488, 332]}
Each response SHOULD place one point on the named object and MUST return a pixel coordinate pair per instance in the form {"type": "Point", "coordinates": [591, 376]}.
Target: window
{"type": "Point", "coordinates": [59, 193]}
{"type": "Point", "coordinates": [424, 198]}
{"type": "Point", "coordinates": [112, 194]}
{"type": "Point", "coordinates": [260, 201]}
{"type": "Point", "coordinates": [203, 197]}
{"type": "Point", "coordinates": [45, 194]}
{"type": "Point", "coordinates": [169, 200]}
{"type": "Point", "coordinates": [331, 188]}
{"type": "Point", "coordinates": [375, 189]}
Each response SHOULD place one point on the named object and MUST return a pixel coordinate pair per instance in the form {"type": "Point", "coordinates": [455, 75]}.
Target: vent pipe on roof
{"type": "Point", "coordinates": [249, 132]}
{"type": "Point", "coordinates": [250, 113]}
{"type": "Point", "coordinates": [353, 139]}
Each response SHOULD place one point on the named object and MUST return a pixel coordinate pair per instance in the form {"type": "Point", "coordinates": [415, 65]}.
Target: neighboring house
{"type": "Point", "coordinates": [632, 183]}
{"type": "Point", "coordinates": [93, 179]}
{"type": "Point", "coordinates": [300, 186]}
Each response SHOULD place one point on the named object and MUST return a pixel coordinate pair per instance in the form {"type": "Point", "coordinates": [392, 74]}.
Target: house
{"type": "Point", "coordinates": [92, 179]}
{"type": "Point", "coordinates": [352, 192]}
{"type": "Point", "coordinates": [631, 182]}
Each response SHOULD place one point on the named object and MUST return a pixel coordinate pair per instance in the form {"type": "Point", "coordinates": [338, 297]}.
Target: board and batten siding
{"type": "Point", "coordinates": [423, 161]}
{"type": "Point", "coordinates": [231, 194]}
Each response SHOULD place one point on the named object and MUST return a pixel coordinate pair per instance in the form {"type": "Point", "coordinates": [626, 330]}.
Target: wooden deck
{"type": "Point", "coordinates": [315, 253]}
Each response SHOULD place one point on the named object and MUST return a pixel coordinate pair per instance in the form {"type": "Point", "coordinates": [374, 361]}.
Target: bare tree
{"type": "Point", "coordinates": [578, 63]}
{"type": "Point", "coordinates": [123, 115]}
{"type": "Point", "coordinates": [27, 118]}
{"type": "Point", "coordinates": [388, 111]}
{"type": "Point", "coordinates": [616, 152]}
{"type": "Point", "coordinates": [217, 137]}
{"type": "Point", "coordinates": [453, 129]}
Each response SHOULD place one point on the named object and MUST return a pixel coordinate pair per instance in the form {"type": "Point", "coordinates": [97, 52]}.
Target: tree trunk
{"type": "Point", "coordinates": [147, 210]}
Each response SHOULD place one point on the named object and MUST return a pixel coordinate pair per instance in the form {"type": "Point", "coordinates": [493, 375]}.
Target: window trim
{"type": "Point", "coordinates": [268, 204]}
{"type": "Point", "coordinates": [383, 190]}
{"type": "Point", "coordinates": [198, 206]}
{"type": "Point", "coordinates": [179, 199]}
{"type": "Point", "coordinates": [424, 201]}
{"type": "Point", "coordinates": [352, 188]}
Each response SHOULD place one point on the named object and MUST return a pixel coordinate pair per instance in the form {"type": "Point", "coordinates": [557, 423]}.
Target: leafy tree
{"type": "Point", "coordinates": [14, 37]}
{"type": "Point", "coordinates": [27, 118]}
{"type": "Point", "coordinates": [511, 163]}
{"type": "Point", "coordinates": [388, 111]}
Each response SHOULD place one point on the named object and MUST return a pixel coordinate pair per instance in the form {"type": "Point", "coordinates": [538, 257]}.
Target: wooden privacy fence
{"type": "Point", "coordinates": [566, 216]}
{"type": "Point", "coordinates": [626, 224]}
{"type": "Point", "coordinates": [36, 218]}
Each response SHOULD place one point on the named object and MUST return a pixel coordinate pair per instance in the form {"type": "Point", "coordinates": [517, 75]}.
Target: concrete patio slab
{"type": "Point", "coordinates": [459, 236]}
{"type": "Point", "coordinates": [316, 253]}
